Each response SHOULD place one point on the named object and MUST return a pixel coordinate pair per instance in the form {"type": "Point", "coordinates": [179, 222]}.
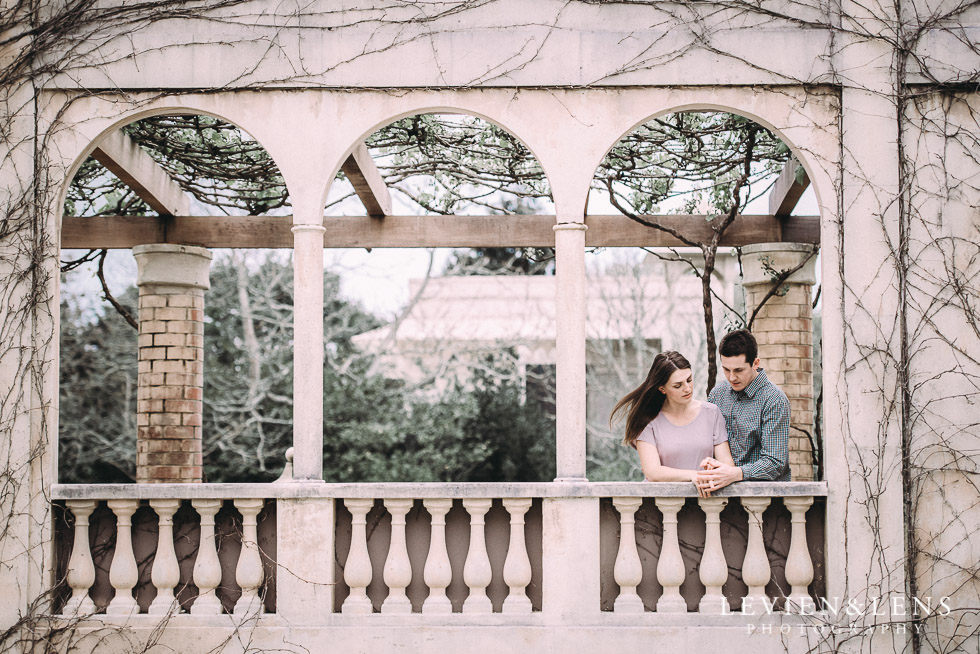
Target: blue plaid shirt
{"type": "Point", "coordinates": [758, 427]}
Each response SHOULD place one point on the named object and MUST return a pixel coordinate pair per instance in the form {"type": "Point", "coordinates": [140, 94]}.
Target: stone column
{"type": "Point", "coordinates": [308, 350]}
{"type": "Point", "coordinates": [171, 280]}
{"type": "Point", "coordinates": [570, 350]}
{"type": "Point", "coordinates": [784, 331]}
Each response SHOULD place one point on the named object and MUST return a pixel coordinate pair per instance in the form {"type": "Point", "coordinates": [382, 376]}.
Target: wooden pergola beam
{"type": "Point", "coordinates": [368, 183]}
{"type": "Point", "coordinates": [788, 189]}
{"type": "Point", "coordinates": [137, 170]}
{"type": "Point", "coordinates": [421, 231]}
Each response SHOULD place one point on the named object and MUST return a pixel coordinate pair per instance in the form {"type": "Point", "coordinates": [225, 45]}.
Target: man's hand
{"type": "Point", "coordinates": [715, 475]}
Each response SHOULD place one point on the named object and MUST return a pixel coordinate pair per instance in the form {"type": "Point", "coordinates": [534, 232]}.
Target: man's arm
{"type": "Point", "coordinates": [774, 436]}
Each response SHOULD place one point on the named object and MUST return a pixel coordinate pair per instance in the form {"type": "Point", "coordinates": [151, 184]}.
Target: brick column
{"type": "Point", "coordinates": [784, 331]}
{"type": "Point", "coordinates": [171, 280]}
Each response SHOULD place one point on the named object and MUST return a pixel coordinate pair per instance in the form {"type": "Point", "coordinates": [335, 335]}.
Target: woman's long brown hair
{"type": "Point", "coordinates": [642, 404]}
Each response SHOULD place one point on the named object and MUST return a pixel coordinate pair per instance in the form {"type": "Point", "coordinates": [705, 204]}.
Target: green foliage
{"type": "Point", "coordinates": [453, 163]}
{"type": "Point", "coordinates": [97, 402]}
{"type": "Point", "coordinates": [247, 382]}
{"type": "Point", "coordinates": [610, 460]}
{"type": "Point", "coordinates": [215, 161]}
{"type": "Point", "coordinates": [377, 431]}
{"type": "Point", "coordinates": [694, 158]}
{"type": "Point", "coordinates": [521, 436]}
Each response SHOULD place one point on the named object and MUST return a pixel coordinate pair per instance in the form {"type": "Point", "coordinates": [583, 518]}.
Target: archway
{"type": "Point", "coordinates": [456, 215]}
{"type": "Point", "coordinates": [173, 184]}
{"type": "Point", "coordinates": [694, 193]}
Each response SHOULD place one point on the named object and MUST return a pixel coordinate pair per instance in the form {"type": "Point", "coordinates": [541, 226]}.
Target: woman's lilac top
{"type": "Point", "coordinates": [685, 447]}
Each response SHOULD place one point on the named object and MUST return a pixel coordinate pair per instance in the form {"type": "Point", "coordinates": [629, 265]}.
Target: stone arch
{"type": "Point", "coordinates": [798, 152]}
{"type": "Point", "coordinates": [132, 116]}
{"type": "Point", "coordinates": [460, 109]}
{"type": "Point", "coordinates": [176, 277]}
{"type": "Point", "coordinates": [784, 325]}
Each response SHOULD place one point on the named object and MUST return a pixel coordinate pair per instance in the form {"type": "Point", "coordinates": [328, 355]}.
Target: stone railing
{"type": "Point", "coordinates": [338, 553]}
{"type": "Point", "coordinates": [754, 548]}
{"type": "Point", "coordinates": [439, 555]}
{"type": "Point", "coordinates": [165, 555]}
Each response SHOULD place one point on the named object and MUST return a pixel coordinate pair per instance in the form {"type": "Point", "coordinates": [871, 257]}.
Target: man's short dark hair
{"type": "Point", "coordinates": [740, 341]}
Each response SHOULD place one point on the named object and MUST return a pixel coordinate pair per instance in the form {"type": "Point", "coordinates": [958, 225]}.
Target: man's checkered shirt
{"type": "Point", "coordinates": [758, 427]}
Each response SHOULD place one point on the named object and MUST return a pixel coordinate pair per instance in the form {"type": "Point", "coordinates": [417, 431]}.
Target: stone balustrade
{"type": "Point", "coordinates": [470, 555]}
{"type": "Point", "coordinates": [667, 544]}
{"type": "Point", "coordinates": [166, 556]}
{"type": "Point", "coordinates": [365, 551]}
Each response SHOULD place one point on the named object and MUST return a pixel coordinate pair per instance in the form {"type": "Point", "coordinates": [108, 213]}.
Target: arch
{"type": "Point", "coordinates": [426, 110]}
{"type": "Point", "coordinates": [797, 152]}
{"type": "Point", "coordinates": [711, 311]}
{"type": "Point", "coordinates": [128, 119]}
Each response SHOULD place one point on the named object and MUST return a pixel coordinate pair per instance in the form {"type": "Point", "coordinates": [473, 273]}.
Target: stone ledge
{"type": "Point", "coordinates": [313, 490]}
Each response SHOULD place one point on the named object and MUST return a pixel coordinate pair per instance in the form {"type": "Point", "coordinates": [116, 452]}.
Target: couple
{"type": "Point", "coordinates": [740, 433]}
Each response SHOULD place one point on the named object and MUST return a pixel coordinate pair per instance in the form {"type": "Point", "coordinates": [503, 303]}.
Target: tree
{"type": "Point", "coordinates": [97, 405]}
{"type": "Point", "coordinates": [452, 164]}
{"type": "Point", "coordinates": [520, 432]}
{"type": "Point", "coordinates": [502, 261]}
{"type": "Point", "coordinates": [693, 160]}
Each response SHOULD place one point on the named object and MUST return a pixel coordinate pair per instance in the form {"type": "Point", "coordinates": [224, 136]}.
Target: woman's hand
{"type": "Point", "coordinates": [699, 485]}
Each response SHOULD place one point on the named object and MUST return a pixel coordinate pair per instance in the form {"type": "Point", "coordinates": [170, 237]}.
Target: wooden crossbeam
{"type": "Point", "coordinates": [420, 231]}
{"type": "Point", "coordinates": [788, 189]}
{"type": "Point", "coordinates": [137, 170]}
{"type": "Point", "coordinates": [368, 183]}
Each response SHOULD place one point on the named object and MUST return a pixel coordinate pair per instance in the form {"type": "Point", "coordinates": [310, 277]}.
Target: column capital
{"type": "Point", "coordinates": [296, 229]}
{"type": "Point", "coordinates": [762, 263]}
{"type": "Point", "coordinates": [173, 265]}
{"type": "Point", "coordinates": [578, 227]}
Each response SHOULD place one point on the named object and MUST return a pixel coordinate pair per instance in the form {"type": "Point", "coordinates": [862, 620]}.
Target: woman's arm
{"type": "Point", "coordinates": [654, 471]}
{"type": "Point", "coordinates": [723, 453]}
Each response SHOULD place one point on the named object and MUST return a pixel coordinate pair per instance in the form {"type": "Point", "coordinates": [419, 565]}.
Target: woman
{"type": "Point", "coordinates": [671, 431]}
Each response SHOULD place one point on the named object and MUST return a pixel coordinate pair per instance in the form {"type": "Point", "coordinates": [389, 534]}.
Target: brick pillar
{"type": "Point", "coordinates": [171, 280]}
{"type": "Point", "coordinates": [784, 331]}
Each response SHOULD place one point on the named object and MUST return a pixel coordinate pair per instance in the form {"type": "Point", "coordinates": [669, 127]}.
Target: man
{"type": "Point", "coordinates": [756, 415]}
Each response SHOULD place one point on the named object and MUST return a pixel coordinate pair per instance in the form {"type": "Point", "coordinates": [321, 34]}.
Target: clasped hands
{"type": "Point", "coordinates": [714, 475]}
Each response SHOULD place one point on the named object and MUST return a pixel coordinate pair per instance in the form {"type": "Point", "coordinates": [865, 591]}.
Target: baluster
{"type": "Point", "coordinates": [123, 573]}
{"type": "Point", "coordinates": [398, 568]}
{"type": "Point", "coordinates": [165, 573]}
{"type": "Point", "coordinates": [670, 567]}
{"type": "Point", "coordinates": [476, 570]}
{"type": "Point", "coordinates": [81, 569]}
{"type": "Point", "coordinates": [755, 567]}
{"type": "Point", "coordinates": [207, 568]}
{"type": "Point", "coordinates": [799, 567]}
{"type": "Point", "coordinates": [249, 573]}
{"type": "Point", "coordinates": [714, 567]}
{"type": "Point", "coordinates": [437, 573]}
{"type": "Point", "coordinates": [628, 571]}
{"type": "Point", "coordinates": [517, 566]}
{"type": "Point", "coordinates": [357, 571]}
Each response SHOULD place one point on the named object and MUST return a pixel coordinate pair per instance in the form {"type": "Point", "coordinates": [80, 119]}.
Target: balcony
{"type": "Point", "coordinates": [525, 560]}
